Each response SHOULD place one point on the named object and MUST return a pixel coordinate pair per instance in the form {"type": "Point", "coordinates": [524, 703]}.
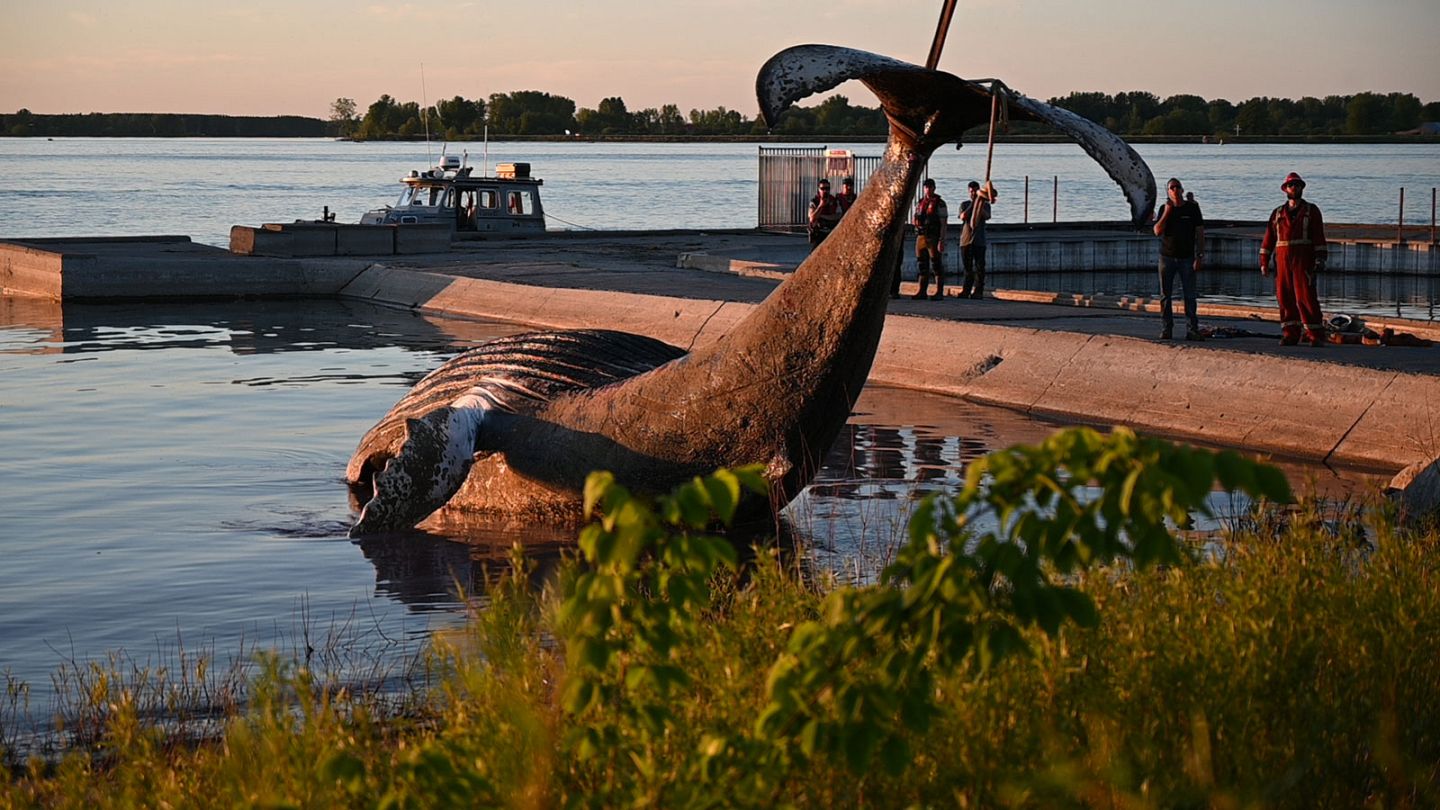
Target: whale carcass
{"type": "Point", "coordinates": [513, 427]}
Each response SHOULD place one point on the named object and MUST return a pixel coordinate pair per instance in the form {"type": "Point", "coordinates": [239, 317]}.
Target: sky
{"type": "Point", "coordinates": [265, 57]}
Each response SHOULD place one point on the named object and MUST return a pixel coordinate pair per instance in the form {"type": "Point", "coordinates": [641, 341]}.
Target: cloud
{"type": "Point", "coordinates": [83, 19]}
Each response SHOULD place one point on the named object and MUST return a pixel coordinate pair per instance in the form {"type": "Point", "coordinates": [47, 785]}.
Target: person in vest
{"type": "Point", "coordinates": [930, 217]}
{"type": "Point", "coordinates": [1181, 229]}
{"type": "Point", "coordinates": [1295, 236]}
{"type": "Point", "coordinates": [846, 197]}
{"type": "Point", "coordinates": [824, 214]}
{"type": "Point", "coordinates": [974, 213]}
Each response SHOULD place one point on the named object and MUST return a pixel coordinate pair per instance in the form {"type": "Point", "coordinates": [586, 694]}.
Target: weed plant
{"type": "Point", "coordinates": [1074, 652]}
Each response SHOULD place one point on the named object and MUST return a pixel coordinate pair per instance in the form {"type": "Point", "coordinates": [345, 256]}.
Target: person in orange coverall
{"type": "Point", "coordinates": [1295, 236]}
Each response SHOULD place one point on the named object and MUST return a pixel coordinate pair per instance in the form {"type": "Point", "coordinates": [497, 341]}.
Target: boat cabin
{"type": "Point", "coordinates": [507, 204]}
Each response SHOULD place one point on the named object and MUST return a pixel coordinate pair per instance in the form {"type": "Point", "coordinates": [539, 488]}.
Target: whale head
{"type": "Point", "coordinates": [433, 461]}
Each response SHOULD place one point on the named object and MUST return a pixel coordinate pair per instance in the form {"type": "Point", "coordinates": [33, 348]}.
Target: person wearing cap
{"type": "Point", "coordinates": [846, 197]}
{"type": "Point", "coordinates": [930, 219]}
{"type": "Point", "coordinates": [1181, 228]}
{"type": "Point", "coordinates": [824, 214]}
{"type": "Point", "coordinates": [974, 213]}
{"type": "Point", "coordinates": [1295, 238]}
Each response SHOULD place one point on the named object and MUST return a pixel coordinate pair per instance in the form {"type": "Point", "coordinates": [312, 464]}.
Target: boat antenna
{"type": "Point", "coordinates": [425, 113]}
{"type": "Point", "coordinates": [486, 166]}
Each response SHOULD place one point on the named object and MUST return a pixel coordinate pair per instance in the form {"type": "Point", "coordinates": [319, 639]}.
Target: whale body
{"type": "Point", "coordinates": [513, 427]}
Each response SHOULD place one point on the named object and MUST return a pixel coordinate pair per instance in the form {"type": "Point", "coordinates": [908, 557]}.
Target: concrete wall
{"type": "Point", "coordinates": [30, 271]}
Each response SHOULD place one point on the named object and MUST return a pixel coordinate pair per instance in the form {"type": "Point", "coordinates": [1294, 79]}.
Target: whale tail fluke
{"type": "Point", "coordinates": [939, 107]}
{"type": "Point", "coordinates": [910, 94]}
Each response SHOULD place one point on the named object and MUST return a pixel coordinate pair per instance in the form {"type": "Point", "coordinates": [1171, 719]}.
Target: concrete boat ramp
{"type": "Point", "coordinates": [1096, 360]}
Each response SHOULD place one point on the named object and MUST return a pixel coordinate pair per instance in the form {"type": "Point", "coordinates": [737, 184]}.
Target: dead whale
{"type": "Point", "coordinates": [512, 428]}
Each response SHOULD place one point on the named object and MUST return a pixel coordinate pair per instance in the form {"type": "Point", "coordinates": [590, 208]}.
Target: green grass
{"type": "Point", "coordinates": [1289, 668]}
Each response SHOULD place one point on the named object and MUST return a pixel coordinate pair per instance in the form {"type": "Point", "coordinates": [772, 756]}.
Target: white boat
{"type": "Point", "coordinates": [507, 204]}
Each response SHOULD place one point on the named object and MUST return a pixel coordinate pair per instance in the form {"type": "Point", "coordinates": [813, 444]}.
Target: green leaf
{"type": "Point", "coordinates": [579, 696]}
{"type": "Point", "coordinates": [1270, 483]}
{"type": "Point", "coordinates": [597, 484]}
{"type": "Point", "coordinates": [694, 505]}
{"type": "Point", "coordinates": [1078, 605]}
{"type": "Point", "coordinates": [724, 490]}
{"type": "Point", "coordinates": [752, 477]}
{"type": "Point", "coordinates": [809, 738]}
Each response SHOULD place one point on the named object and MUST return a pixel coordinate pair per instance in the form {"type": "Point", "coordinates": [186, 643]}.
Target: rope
{"type": "Point", "coordinates": [571, 224]}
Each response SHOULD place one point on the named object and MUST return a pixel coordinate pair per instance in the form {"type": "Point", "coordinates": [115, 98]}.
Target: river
{"type": "Point", "coordinates": [199, 187]}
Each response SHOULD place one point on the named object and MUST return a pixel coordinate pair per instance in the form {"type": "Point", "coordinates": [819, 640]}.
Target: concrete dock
{"type": "Point", "coordinates": [1095, 360]}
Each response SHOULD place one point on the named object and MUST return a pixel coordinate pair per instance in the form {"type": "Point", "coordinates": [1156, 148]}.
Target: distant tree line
{"type": "Point", "coordinates": [531, 113]}
{"type": "Point", "coordinates": [161, 125]}
{"type": "Point", "coordinates": [1141, 113]}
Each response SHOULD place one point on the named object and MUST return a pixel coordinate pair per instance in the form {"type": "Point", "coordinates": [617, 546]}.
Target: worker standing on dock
{"type": "Point", "coordinates": [825, 214]}
{"type": "Point", "coordinates": [974, 213]}
{"type": "Point", "coordinates": [930, 220]}
{"type": "Point", "coordinates": [1295, 235]}
{"type": "Point", "coordinates": [846, 197]}
{"type": "Point", "coordinates": [1181, 229]}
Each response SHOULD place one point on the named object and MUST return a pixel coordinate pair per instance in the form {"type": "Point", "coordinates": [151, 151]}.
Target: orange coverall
{"type": "Point", "coordinates": [1297, 240]}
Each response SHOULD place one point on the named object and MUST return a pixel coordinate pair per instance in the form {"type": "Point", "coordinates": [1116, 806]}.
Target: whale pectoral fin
{"type": "Point", "coordinates": [1114, 155]}
{"type": "Point", "coordinates": [431, 465]}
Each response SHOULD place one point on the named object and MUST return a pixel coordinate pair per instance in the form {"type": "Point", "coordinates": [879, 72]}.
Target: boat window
{"type": "Point", "coordinates": [425, 195]}
{"type": "Point", "coordinates": [518, 202]}
{"type": "Point", "coordinates": [449, 198]}
{"type": "Point", "coordinates": [489, 198]}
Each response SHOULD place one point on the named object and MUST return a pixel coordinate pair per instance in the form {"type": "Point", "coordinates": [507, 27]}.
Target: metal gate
{"type": "Point", "coordinates": [789, 174]}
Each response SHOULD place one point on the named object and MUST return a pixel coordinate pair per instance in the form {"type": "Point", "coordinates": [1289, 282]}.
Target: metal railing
{"type": "Point", "coordinates": [788, 176]}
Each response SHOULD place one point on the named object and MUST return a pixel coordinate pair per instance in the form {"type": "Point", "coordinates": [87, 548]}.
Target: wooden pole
{"type": "Point", "coordinates": [1400, 228]}
{"type": "Point", "coordinates": [1027, 199]}
{"type": "Point", "coordinates": [938, 44]}
{"type": "Point", "coordinates": [990, 150]}
{"type": "Point", "coordinates": [1432, 215]}
{"type": "Point", "coordinates": [1055, 204]}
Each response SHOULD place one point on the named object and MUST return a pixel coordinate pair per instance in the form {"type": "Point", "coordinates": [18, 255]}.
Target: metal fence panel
{"type": "Point", "coordinates": [788, 176]}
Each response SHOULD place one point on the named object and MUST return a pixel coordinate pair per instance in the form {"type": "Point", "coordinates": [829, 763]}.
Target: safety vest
{"type": "Point", "coordinates": [1292, 230]}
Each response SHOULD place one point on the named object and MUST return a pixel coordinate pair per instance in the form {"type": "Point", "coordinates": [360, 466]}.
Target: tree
{"type": "Point", "coordinates": [610, 118]}
{"type": "Point", "coordinates": [1365, 114]}
{"type": "Point", "coordinates": [529, 112]}
{"type": "Point", "coordinates": [1253, 117]}
{"type": "Point", "coordinates": [1404, 111]}
{"type": "Point", "coordinates": [460, 116]}
{"type": "Point", "coordinates": [342, 117]}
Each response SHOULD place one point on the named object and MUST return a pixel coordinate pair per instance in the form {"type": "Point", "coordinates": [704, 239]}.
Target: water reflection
{"type": "Point", "coordinates": [40, 326]}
